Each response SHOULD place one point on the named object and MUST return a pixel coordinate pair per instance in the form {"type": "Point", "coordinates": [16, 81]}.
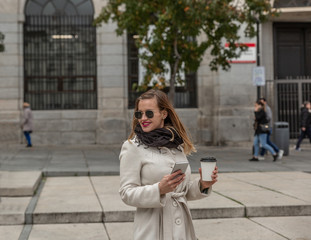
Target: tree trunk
{"type": "Point", "coordinates": [174, 69]}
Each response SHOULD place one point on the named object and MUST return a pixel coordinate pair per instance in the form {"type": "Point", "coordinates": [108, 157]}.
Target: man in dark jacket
{"type": "Point", "coordinates": [305, 122]}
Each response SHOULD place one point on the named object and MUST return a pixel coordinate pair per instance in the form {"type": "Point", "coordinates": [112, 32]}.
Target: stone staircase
{"type": "Point", "coordinates": [48, 194]}
{"type": "Point", "coordinates": [27, 198]}
{"type": "Point", "coordinates": [16, 192]}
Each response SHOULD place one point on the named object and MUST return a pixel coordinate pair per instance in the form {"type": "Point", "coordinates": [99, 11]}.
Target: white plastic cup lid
{"type": "Point", "coordinates": [208, 159]}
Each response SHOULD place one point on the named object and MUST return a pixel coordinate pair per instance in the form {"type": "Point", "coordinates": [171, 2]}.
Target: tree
{"type": "Point", "coordinates": [168, 31]}
{"type": "Point", "coordinates": [1, 42]}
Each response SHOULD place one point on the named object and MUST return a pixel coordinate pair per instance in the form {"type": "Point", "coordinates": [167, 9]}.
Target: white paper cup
{"type": "Point", "coordinates": [208, 165]}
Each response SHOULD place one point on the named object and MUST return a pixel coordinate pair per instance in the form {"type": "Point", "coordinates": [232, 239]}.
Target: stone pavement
{"type": "Point", "coordinates": [71, 192]}
{"type": "Point", "coordinates": [97, 160]}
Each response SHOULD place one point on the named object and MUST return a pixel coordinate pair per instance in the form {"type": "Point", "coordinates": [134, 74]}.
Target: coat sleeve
{"type": "Point", "coordinates": [131, 191]}
{"type": "Point", "coordinates": [194, 191]}
{"type": "Point", "coordinates": [268, 114]}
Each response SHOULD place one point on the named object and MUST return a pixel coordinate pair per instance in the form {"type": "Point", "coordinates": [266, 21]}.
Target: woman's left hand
{"type": "Point", "coordinates": [207, 184]}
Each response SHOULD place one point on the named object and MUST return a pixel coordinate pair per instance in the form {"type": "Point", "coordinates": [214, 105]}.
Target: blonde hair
{"type": "Point", "coordinates": [26, 104]}
{"type": "Point", "coordinates": [172, 119]}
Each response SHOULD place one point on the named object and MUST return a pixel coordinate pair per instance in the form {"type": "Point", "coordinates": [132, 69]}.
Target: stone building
{"type": "Point", "coordinates": [78, 78]}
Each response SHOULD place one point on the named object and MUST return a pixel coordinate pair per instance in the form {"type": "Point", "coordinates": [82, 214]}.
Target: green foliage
{"type": "Point", "coordinates": [1, 42]}
{"type": "Point", "coordinates": [179, 32]}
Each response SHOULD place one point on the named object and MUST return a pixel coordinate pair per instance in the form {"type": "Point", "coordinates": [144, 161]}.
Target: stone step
{"type": "Point", "coordinates": [12, 210]}
{"type": "Point", "coordinates": [10, 232]}
{"type": "Point", "coordinates": [276, 228]}
{"type": "Point", "coordinates": [81, 231]}
{"type": "Point", "coordinates": [116, 211]}
{"type": "Point", "coordinates": [19, 184]}
{"type": "Point", "coordinates": [96, 199]}
{"type": "Point", "coordinates": [67, 200]}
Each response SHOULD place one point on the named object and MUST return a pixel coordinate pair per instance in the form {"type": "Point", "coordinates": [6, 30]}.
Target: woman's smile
{"type": "Point", "coordinates": [145, 123]}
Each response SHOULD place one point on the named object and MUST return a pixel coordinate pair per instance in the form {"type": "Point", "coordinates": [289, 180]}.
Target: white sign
{"type": "Point", "coordinates": [249, 56]}
{"type": "Point", "coordinates": [259, 76]}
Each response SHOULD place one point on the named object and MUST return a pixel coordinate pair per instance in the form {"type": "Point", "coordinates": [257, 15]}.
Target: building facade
{"type": "Point", "coordinates": [78, 78]}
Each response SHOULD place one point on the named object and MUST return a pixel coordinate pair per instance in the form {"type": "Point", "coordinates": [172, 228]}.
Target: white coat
{"type": "Point", "coordinates": [157, 217]}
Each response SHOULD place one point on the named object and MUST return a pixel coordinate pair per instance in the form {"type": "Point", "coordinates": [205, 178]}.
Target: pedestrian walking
{"type": "Point", "coordinates": [261, 128]}
{"type": "Point", "coordinates": [269, 116]}
{"type": "Point", "coordinates": [157, 141]}
{"type": "Point", "coordinates": [27, 123]}
{"type": "Point", "coordinates": [305, 124]}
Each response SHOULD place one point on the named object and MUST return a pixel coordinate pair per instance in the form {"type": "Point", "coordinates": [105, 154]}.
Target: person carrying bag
{"type": "Point", "coordinates": [261, 128]}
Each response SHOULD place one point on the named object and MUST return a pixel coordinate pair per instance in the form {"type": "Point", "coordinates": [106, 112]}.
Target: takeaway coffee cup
{"type": "Point", "coordinates": [207, 166]}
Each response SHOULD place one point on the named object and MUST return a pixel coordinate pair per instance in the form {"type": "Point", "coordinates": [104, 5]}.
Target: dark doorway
{"type": "Point", "coordinates": [292, 71]}
{"type": "Point", "coordinates": [293, 51]}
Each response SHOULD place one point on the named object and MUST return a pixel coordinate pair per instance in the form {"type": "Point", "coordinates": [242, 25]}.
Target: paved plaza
{"type": "Point", "coordinates": [99, 160]}
{"type": "Point", "coordinates": [71, 192]}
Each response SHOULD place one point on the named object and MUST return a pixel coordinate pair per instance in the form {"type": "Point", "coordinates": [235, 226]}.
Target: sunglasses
{"type": "Point", "coordinates": [139, 114]}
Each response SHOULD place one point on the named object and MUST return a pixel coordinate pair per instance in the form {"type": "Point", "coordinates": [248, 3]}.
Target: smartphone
{"type": "Point", "coordinates": [180, 166]}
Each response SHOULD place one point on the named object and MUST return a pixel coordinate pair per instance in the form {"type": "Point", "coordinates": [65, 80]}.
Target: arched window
{"type": "Point", "coordinates": [60, 55]}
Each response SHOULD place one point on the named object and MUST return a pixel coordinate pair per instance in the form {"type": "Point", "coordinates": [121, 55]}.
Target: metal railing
{"type": "Point", "coordinates": [49, 93]}
{"type": "Point", "coordinates": [286, 97]}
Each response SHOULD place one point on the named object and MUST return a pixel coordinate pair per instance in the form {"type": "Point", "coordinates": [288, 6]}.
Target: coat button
{"type": "Point", "coordinates": [175, 204]}
{"type": "Point", "coordinates": [178, 221]}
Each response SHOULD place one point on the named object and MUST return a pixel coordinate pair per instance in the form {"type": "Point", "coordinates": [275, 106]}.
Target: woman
{"type": "Point", "coordinates": [158, 140]}
{"type": "Point", "coordinates": [260, 133]}
{"type": "Point", "coordinates": [27, 123]}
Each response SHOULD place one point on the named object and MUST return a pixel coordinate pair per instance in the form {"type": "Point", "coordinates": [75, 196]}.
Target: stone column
{"type": "Point", "coordinates": [207, 102]}
{"type": "Point", "coordinates": [226, 100]}
{"type": "Point", "coordinates": [11, 72]}
{"type": "Point", "coordinates": [112, 86]}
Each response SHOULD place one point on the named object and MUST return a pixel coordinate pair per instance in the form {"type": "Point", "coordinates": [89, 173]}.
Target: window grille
{"type": "Point", "coordinates": [60, 55]}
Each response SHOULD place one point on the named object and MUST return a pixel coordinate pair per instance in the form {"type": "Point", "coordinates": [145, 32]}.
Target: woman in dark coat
{"type": "Point", "coordinates": [260, 133]}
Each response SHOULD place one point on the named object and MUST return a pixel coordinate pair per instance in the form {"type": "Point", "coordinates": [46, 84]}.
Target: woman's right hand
{"type": "Point", "coordinates": [168, 183]}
